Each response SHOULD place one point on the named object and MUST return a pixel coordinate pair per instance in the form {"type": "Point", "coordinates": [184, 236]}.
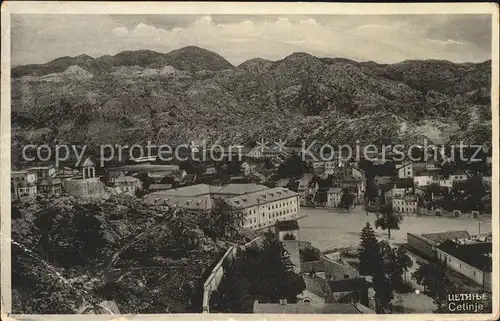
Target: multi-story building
{"type": "Point", "coordinates": [405, 170]}
{"type": "Point", "coordinates": [334, 196]}
{"type": "Point", "coordinates": [471, 259]}
{"type": "Point", "coordinates": [262, 206]}
{"type": "Point", "coordinates": [125, 184]}
{"type": "Point", "coordinates": [44, 171]}
{"type": "Point", "coordinates": [353, 184]}
{"type": "Point", "coordinates": [49, 186]}
{"type": "Point", "coordinates": [23, 183]}
{"type": "Point", "coordinates": [405, 204]}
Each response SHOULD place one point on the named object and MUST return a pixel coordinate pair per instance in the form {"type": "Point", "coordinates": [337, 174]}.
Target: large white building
{"type": "Point", "coordinates": [262, 206]}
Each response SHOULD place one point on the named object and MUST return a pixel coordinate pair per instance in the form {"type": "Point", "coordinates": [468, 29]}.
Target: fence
{"type": "Point", "coordinates": [212, 282]}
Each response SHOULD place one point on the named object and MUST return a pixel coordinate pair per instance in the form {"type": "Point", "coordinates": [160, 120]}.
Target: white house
{"type": "Point", "coordinates": [424, 180]}
{"type": "Point", "coordinates": [264, 208]}
{"type": "Point", "coordinates": [404, 204]}
{"type": "Point", "coordinates": [334, 195]}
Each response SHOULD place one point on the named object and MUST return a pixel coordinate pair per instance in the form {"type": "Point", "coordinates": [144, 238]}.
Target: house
{"type": "Point", "coordinates": [359, 173]}
{"type": "Point", "coordinates": [125, 184]}
{"type": "Point", "coordinates": [473, 260]}
{"type": "Point", "coordinates": [352, 184]}
{"type": "Point", "coordinates": [305, 308]}
{"type": "Point", "coordinates": [44, 171]}
{"type": "Point", "coordinates": [424, 180]}
{"type": "Point", "coordinates": [312, 189]}
{"type": "Point", "coordinates": [23, 183]}
{"type": "Point", "coordinates": [405, 204]}
{"type": "Point", "coordinates": [303, 188]}
{"type": "Point", "coordinates": [266, 151]}
{"type": "Point", "coordinates": [287, 230]}
{"type": "Point", "coordinates": [49, 185]}
{"type": "Point", "coordinates": [334, 197]}
{"type": "Point", "coordinates": [458, 177]}
{"type": "Point", "coordinates": [405, 170]}
{"type": "Point", "coordinates": [26, 189]}
{"type": "Point", "coordinates": [402, 187]}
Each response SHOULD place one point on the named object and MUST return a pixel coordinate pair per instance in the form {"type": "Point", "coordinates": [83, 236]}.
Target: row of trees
{"type": "Point", "coordinates": [385, 264]}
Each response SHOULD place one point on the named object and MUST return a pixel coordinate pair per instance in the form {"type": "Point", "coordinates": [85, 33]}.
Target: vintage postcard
{"type": "Point", "coordinates": [249, 161]}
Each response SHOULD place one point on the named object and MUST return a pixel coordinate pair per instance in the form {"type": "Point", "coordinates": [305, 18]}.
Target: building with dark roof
{"type": "Point", "coordinates": [447, 235]}
{"type": "Point", "coordinates": [473, 260]}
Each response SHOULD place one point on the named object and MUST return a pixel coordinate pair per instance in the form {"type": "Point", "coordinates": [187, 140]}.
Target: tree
{"type": "Point", "coordinates": [169, 179]}
{"type": "Point", "coordinates": [309, 254]}
{"type": "Point", "coordinates": [223, 220]}
{"type": "Point", "coordinates": [396, 262]}
{"type": "Point", "coordinates": [433, 276]}
{"type": "Point", "coordinates": [369, 257]}
{"type": "Point", "coordinates": [371, 192]}
{"type": "Point", "coordinates": [192, 167]}
{"type": "Point", "coordinates": [387, 219]}
{"type": "Point", "coordinates": [292, 167]}
{"type": "Point", "coordinates": [145, 179]}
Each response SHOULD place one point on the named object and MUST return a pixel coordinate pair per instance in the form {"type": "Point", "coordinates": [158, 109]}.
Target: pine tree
{"type": "Point", "coordinates": [369, 256]}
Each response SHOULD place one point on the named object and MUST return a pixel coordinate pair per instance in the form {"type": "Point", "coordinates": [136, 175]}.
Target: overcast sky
{"type": "Point", "coordinates": [381, 38]}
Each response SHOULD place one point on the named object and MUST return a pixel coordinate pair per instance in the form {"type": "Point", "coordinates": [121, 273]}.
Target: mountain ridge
{"type": "Point", "coordinates": [194, 94]}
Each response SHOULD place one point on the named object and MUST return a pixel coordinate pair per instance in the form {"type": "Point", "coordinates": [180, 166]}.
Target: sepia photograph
{"type": "Point", "coordinates": [249, 158]}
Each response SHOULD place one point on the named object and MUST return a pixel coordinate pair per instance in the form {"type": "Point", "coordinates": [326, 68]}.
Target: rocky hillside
{"type": "Point", "coordinates": [70, 256]}
{"type": "Point", "coordinates": [194, 94]}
